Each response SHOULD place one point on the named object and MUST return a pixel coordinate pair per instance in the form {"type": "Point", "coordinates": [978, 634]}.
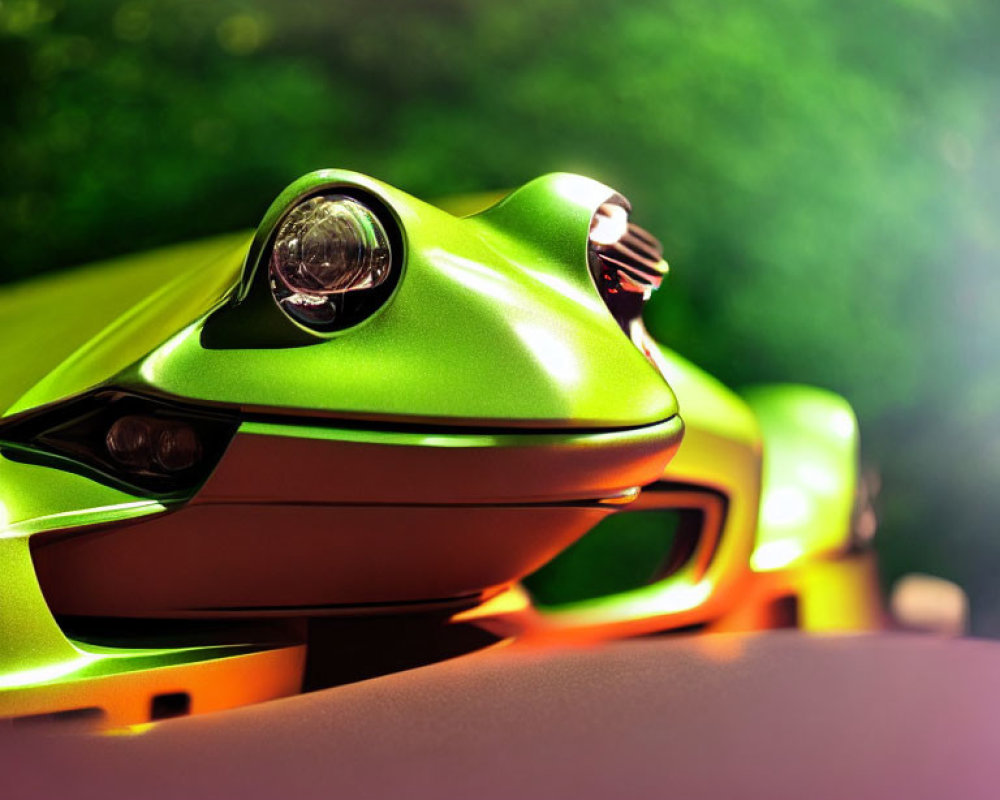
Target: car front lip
{"type": "Point", "coordinates": [311, 520]}
{"type": "Point", "coordinates": [279, 462]}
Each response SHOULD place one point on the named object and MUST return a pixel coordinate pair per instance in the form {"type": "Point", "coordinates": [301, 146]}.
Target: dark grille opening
{"type": "Point", "coordinates": [636, 260]}
{"type": "Point", "coordinates": [784, 612]}
{"type": "Point", "coordinates": [625, 551]}
{"type": "Point", "coordinates": [347, 649]}
{"type": "Point", "coordinates": [174, 704]}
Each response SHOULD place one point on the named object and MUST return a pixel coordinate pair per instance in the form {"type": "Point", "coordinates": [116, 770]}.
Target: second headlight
{"type": "Point", "coordinates": [626, 261]}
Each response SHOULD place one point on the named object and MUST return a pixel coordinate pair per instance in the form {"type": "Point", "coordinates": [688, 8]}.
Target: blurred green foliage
{"type": "Point", "coordinates": [824, 176]}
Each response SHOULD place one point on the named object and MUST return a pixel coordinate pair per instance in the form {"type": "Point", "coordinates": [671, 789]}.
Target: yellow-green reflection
{"type": "Point", "coordinates": [810, 474]}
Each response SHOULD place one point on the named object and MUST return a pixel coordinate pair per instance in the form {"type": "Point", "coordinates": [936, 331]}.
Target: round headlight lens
{"type": "Point", "coordinates": [326, 247]}
{"type": "Point", "coordinates": [177, 447]}
{"type": "Point", "coordinates": [130, 442]}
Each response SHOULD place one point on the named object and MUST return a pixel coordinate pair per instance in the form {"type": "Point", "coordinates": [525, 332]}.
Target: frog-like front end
{"type": "Point", "coordinates": [378, 405]}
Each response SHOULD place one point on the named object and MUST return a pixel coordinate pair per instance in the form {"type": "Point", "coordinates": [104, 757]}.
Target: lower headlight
{"type": "Point", "coordinates": [151, 447]}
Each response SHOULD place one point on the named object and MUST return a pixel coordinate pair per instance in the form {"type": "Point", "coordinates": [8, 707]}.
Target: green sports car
{"type": "Point", "coordinates": [369, 406]}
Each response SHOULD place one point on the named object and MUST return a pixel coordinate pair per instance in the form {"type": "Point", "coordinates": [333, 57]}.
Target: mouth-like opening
{"type": "Point", "coordinates": [167, 448]}
{"type": "Point", "coordinates": [625, 551]}
{"type": "Point", "coordinates": [674, 530]}
{"type": "Point", "coordinates": [317, 464]}
{"type": "Point", "coordinates": [431, 426]}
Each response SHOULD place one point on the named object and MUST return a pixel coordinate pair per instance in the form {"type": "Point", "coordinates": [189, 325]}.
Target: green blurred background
{"type": "Point", "coordinates": [824, 176]}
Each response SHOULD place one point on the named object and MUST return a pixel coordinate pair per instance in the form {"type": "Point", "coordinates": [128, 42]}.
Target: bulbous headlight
{"type": "Point", "coordinates": [326, 247]}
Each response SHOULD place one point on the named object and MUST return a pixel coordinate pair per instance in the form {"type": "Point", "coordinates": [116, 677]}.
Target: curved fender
{"type": "Point", "coordinates": [810, 474]}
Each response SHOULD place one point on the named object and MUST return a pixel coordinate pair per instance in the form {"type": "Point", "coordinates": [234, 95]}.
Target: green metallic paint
{"type": "Point", "coordinates": [465, 205]}
{"type": "Point", "coordinates": [792, 509]}
{"type": "Point", "coordinates": [499, 300]}
{"type": "Point", "coordinates": [33, 649]}
{"type": "Point", "coordinates": [720, 452]}
{"type": "Point", "coordinates": [810, 469]}
{"type": "Point", "coordinates": [668, 429]}
{"type": "Point", "coordinates": [706, 403]}
{"type": "Point", "coordinates": [32, 645]}
{"type": "Point", "coordinates": [86, 325]}
{"type": "Point", "coordinates": [32, 494]}
{"type": "Point", "coordinates": [495, 321]}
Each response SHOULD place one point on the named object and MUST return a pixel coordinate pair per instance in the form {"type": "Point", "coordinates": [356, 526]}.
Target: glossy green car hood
{"type": "Point", "coordinates": [74, 329]}
{"type": "Point", "coordinates": [495, 321]}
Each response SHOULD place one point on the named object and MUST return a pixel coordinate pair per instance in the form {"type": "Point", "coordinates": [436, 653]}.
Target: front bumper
{"type": "Point", "coordinates": [314, 520]}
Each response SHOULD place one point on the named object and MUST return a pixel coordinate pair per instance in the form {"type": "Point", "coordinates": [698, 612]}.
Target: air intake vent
{"type": "Point", "coordinates": [634, 262]}
{"type": "Point", "coordinates": [625, 260]}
